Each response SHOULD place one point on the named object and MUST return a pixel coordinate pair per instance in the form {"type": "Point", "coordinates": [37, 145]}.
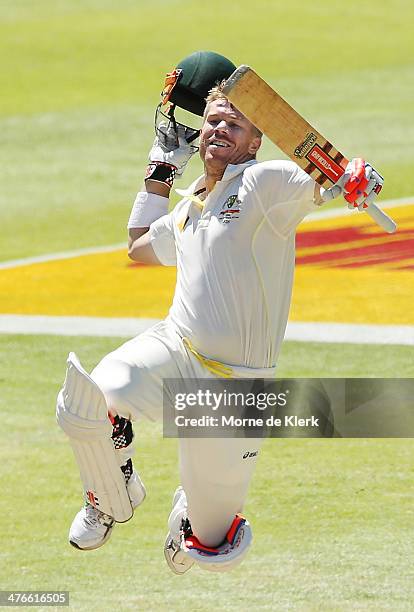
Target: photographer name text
{"type": "Point", "coordinates": [233, 421]}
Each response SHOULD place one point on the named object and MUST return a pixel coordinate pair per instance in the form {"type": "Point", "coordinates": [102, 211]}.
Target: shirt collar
{"type": "Point", "coordinates": [234, 170]}
{"type": "Point", "coordinates": [230, 173]}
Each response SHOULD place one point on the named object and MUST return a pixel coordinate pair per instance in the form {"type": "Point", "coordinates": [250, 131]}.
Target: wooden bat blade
{"type": "Point", "coordinates": [283, 125]}
{"type": "Point", "coordinates": [288, 130]}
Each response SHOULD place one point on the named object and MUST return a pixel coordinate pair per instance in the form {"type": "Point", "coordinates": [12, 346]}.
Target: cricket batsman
{"type": "Point", "coordinates": [232, 239]}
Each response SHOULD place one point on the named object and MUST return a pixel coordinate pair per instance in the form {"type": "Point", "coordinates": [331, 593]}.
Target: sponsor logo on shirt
{"type": "Point", "coordinates": [230, 209]}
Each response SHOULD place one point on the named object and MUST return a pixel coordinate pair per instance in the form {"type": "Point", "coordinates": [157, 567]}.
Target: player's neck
{"type": "Point", "coordinates": [214, 172]}
{"type": "Point", "coordinates": [213, 175]}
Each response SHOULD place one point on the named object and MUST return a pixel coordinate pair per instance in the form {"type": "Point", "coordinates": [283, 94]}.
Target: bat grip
{"type": "Point", "coordinates": [381, 218]}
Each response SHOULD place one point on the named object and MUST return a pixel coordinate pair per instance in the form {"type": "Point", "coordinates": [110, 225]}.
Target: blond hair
{"type": "Point", "coordinates": [216, 93]}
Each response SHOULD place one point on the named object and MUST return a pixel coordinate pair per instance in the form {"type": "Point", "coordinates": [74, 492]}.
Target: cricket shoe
{"type": "Point", "coordinates": [91, 528]}
{"type": "Point", "coordinates": [177, 560]}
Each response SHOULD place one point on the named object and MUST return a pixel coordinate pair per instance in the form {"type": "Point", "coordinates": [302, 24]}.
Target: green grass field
{"type": "Point", "coordinates": [331, 518]}
{"type": "Point", "coordinates": [79, 82]}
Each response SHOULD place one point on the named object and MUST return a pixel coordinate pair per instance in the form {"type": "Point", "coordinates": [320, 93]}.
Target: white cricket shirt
{"type": "Point", "coordinates": [235, 257]}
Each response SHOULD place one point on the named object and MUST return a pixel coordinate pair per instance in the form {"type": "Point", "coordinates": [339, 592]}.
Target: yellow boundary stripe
{"type": "Point", "coordinates": [104, 284]}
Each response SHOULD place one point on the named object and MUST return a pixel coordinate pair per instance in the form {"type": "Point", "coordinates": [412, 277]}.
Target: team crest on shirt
{"type": "Point", "coordinates": [230, 209]}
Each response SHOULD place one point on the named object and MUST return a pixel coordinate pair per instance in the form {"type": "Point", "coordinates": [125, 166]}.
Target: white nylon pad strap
{"type": "Point", "coordinates": [82, 413]}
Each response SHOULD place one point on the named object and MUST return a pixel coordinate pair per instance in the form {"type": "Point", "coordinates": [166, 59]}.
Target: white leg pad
{"type": "Point", "coordinates": [82, 413]}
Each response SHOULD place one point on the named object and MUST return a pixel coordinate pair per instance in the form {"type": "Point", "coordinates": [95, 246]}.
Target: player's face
{"type": "Point", "coordinates": [227, 137]}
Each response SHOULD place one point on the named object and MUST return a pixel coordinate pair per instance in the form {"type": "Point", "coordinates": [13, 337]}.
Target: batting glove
{"type": "Point", "coordinates": [166, 151]}
{"type": "Point", "coordinates": [360, 184]}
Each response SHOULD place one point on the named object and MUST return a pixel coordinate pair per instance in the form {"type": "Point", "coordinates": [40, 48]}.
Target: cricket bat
{"type": "Point", "coordinates": [273, 116]}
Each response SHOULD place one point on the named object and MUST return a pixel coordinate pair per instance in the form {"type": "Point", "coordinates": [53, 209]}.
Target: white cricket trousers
{"type": "Point", "coordinates": [215, 472]}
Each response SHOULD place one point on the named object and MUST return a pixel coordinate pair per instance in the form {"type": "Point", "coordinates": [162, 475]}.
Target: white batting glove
{"type": "Point", "coordinates": [360, 184]}
{"type": "Point", "coordinates": [164, 148]}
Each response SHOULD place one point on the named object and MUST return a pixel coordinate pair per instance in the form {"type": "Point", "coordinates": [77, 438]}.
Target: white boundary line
{"type": "Point", "coordinates": [322, 214]}
{"type": "Point", "coordinates": [129, 327]}
{"type": "Point", "coordinates": [27, 261]}
{"type": "Point", "coordinates": [73, 326]}
{"type": "Point", "coordinates": [350, 333]}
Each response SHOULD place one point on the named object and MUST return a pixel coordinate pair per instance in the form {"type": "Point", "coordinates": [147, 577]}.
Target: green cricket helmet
{"type": "Point", "coordinates": [187, 87]}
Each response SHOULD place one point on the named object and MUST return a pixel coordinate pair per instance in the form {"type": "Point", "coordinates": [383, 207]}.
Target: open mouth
{"type": "Point", "coordinates": [219, 144]}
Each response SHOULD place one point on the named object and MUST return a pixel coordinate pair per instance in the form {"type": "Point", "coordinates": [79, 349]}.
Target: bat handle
{"type": "Point", "coordinates": [381, 218]}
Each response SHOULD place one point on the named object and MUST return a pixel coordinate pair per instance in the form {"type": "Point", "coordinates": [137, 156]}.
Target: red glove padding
{"type": "Point", "coordinates": [356, 183]}
{"type": "Point", "coordinates": [362, 183]}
